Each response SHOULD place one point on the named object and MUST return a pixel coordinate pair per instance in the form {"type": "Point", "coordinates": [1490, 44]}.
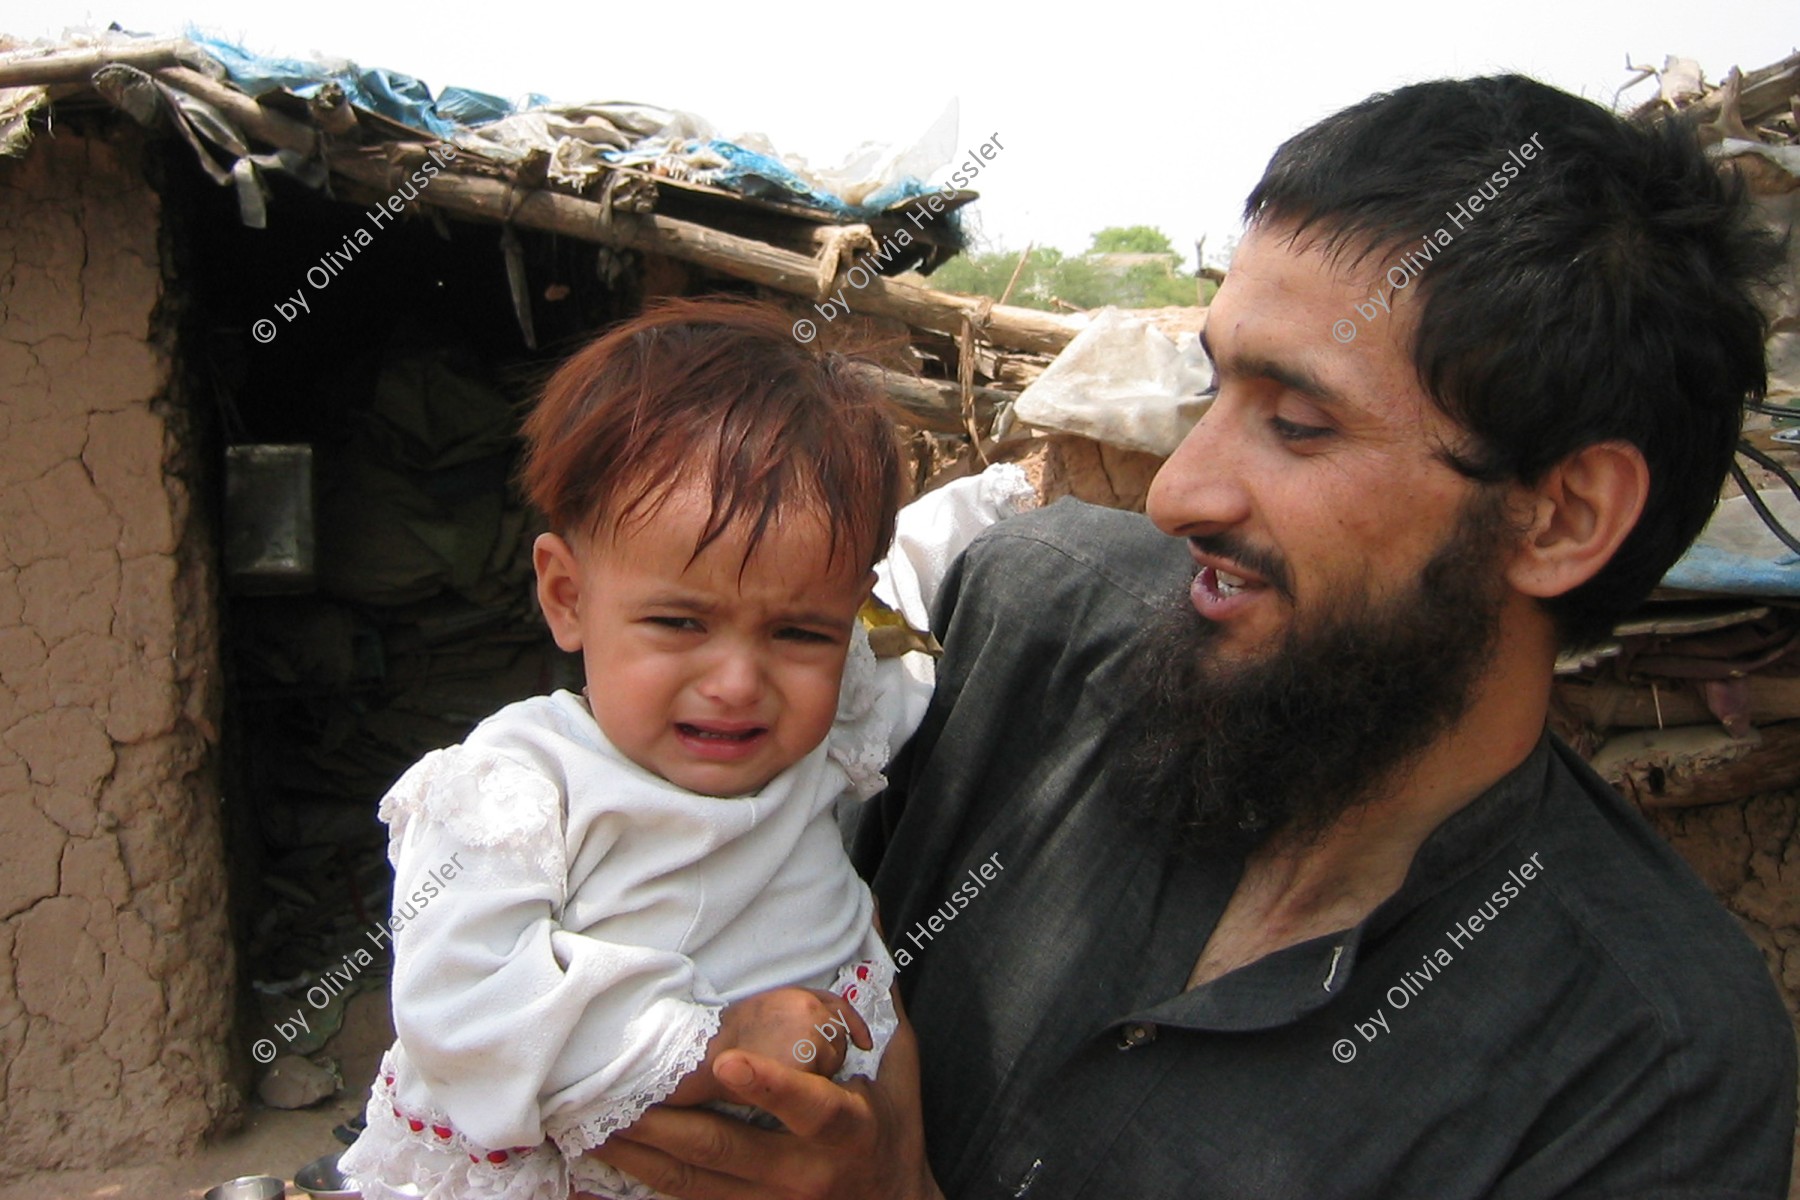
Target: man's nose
{"type": "Point", "coordinates": [1201, 488]}
{"type": "Point", "coordinates": [734, 677]}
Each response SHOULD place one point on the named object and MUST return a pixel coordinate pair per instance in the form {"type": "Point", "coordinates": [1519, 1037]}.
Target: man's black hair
{"type": "Point", "coordinates": [1606, 291]}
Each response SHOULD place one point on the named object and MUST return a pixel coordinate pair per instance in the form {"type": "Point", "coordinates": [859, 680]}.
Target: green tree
{"type": "Point", "coordinates": [979, 274]}
{"type": "Point", "coordinates": [1132, 239]}
{"type": "Point", "coordinates": [1053, 280]}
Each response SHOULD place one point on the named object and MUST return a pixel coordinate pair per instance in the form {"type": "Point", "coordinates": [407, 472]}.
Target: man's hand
{"type": "Point", "coordinates": [808, 1027]}
{"type": "Point", "coordinates": [864, 1140]}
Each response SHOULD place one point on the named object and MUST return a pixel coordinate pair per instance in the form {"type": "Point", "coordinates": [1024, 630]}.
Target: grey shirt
{"type": "Point", "coordinates": [1551, 1004]}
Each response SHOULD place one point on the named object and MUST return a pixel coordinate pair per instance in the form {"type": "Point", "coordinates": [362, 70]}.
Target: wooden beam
{"type": "Point", "coordinates": [742, 258]}
{"type": "Point", "coordinates": [1764, 94]}
{"type": "Point", "coordinates": [250, 117]}
{"type": "Point", "coordinates": [1611, 705]}
{"type": "Point", "coordinates": [26, 69]}
{"type": "Point", "coordinates": [1713, 770]}
{"type": "Point", "coordinates": [936, 404]}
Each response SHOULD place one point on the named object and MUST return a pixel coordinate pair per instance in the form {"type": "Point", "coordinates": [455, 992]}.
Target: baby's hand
{"type": "Point", "coordinates": [809, 1027]}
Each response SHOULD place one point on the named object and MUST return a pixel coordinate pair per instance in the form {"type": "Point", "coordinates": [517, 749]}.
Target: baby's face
{"type": "Point", "coordinates": [714, 678]}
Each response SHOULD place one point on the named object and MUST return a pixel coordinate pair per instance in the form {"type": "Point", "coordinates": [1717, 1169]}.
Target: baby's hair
{"type": "Point", "coordinates": [715, 387]}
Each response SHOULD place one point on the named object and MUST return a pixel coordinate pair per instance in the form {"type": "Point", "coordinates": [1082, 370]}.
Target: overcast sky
{"type": "Point", "coordinates": [1109, 112]}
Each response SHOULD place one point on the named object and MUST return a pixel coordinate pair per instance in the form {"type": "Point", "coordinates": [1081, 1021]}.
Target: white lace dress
{"type": "Point", "coordinates": [569, 926]}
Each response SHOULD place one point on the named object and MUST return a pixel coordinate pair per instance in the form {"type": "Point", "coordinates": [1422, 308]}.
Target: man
{"type": "Point", "coordinates": [1233, 858]}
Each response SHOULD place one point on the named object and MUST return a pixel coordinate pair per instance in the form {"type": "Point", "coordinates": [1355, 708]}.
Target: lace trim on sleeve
{"type": "Point", "coordinates": [857, 743]}
{"type": "Point", "coordinates": [584, 1129]}
{"type": "Point", "coordinates": [418, 1152]}
{"type": "Point", "coordinates": [868, 985]}
{"type": "Point", "coordinates": [483, 799]}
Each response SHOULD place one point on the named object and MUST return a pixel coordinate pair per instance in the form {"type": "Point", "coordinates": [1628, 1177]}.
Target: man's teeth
{"type": "Point", "coordinates": [1229, 584]}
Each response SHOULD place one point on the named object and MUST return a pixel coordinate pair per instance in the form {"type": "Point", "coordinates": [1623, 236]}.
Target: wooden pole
{"type": "Point", "coordinates": [27, 69]}
{"type": "Point", "coordinates": [937, 404]}
{"type": "Point", "coordinates": [1718, 774]}
{"type": "Point", "coordinates": [1017, 268]}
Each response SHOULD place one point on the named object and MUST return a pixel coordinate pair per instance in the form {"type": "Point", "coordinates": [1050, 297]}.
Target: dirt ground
{"type": "Point", "coordinates": [270, 1142]}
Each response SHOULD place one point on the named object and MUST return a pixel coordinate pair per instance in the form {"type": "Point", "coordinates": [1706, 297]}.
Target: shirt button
{"type": "Point", "coordinates": [1136, 1034]}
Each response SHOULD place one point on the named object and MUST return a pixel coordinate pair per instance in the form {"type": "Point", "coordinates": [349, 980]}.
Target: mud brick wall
{"type": "Point", "coordinates": [1748, 852]}
{"type": "Point", "coordinates": [115, 959]}
{"type": "Point", "coordinates": [1062, 464]}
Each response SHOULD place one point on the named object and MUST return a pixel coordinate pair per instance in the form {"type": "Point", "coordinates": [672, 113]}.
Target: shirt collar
{"type": "Point", "coordinates": [1468, 837]}
{"type": "Point", "coordinates": [1282, 987]}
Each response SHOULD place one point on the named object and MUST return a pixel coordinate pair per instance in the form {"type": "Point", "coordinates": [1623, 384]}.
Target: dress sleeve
{"type": "Point", "coordinates": [520, 1028]}
{"type": "Point", "coordinates": [884, 699]}
{"type": "Point", "coordinates": [938, 526]}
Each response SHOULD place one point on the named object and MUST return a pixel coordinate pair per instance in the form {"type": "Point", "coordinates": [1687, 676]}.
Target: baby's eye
{"type": "Point", "coordinates": [682, 623]}
{"type": "Point", "coordinates": [811, 636]}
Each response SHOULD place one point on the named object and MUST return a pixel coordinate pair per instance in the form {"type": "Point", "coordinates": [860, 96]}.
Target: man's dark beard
{"type": "Point", "coordinates": [1233, 755]}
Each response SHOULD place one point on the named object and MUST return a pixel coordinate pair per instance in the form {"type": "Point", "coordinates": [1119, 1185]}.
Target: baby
{"type": "Point", "coordinates": [635, 866]}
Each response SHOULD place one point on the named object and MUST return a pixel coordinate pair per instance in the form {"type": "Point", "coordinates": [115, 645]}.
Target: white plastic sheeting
{"type": "Point", "coordinates": [1122, 381]}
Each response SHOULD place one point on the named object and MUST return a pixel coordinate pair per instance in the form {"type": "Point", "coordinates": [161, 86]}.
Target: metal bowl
{"type": "Point", "coordinates": [248, 1187]}
{"type": "Point", "coordinates": [322, 1179]}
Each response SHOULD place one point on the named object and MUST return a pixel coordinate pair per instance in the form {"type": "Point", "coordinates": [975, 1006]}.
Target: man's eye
{"type": "Point", "coordinates": [1288, 431]}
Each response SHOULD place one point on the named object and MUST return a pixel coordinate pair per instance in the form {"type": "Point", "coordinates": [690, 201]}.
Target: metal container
{"type": "Point", "coordinates": [248, 1187]}
{"type": "Point", "coordinates": [269, 523]}
{"type": "Point", "coordinates": [322, 1179]}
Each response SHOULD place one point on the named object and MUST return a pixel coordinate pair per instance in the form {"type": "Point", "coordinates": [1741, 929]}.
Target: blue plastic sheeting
{"type": "Point", "coordinates": [390, 93]}
{"type": "Point", "coordinates": [407, 100]}
{"type": "Point", "coordinates": [751, 174]}
{"type": "Point", "coordinates": [1715, 569]}
{"type": "Point", "coordinates": [759, 175]}
{"type": "Point", "coordinates": [1737, 554]}
{"type": "Point", "coordinates": [462, 106]}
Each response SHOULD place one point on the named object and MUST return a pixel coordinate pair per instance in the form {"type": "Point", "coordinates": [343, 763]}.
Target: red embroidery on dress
{"type": "Point", "coordinates": [447, 1132]}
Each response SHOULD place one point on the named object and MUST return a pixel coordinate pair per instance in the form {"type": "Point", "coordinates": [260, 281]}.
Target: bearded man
{"type": "Point", "coordinates": [1289, 892]}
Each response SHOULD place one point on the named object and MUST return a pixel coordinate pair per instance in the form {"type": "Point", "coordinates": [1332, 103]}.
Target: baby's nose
{"type": "Point", "coordinates": [734, 679]}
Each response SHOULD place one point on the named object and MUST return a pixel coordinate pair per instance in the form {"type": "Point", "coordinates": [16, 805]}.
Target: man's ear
{"type": "Point", "coordinates": [1579, 515]}
{"type": "Point", "coordinates": [558, 588]}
